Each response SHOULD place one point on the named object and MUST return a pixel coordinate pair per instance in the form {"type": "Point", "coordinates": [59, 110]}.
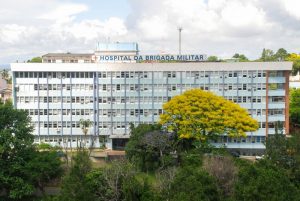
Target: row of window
{"type": "Point", "coordinates": [76, 124]}
{"type": "Point", "coordinates": [142, 74]}
{"type": "Point", "coordinates": [255, 99]}
{"type": "Point", "coordinates": [130, 112]}
{"type": "Point", "coordinates": [135, 99]}
{"type": "Point", "coordinates": [148, 87]}
{"type": "Point", "coordinates": [110, 125]}
{"type": "Point", "coordinates": [67, 61]}
{"type": "Point", "coordinates": [271, 112]}
{"type": "Point", "coordinates": [249, 139]}
{"type": "Point", "coordinates": [102, 112]}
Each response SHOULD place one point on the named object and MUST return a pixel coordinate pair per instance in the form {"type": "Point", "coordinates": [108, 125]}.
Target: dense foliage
{"type": "Point", "coordinates": [149, 148]}
{"type": "Point", "coordinates": [23, 168]}
{"type": "Point", "coordinates": [193, 184]}
{"type": "Point", "coordinates": [261, 182]}
{"type": "Point", "coordinates": [295, 107]}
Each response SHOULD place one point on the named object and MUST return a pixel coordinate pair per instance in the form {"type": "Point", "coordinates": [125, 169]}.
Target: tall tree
{"type": "Point", "coordinates": [197, 114]}
{"type": "Point", "coordinates": [22, 167]}
{"type": "Point", "coordinates": [281, 54]}
{"type": "Point", "coordinates": [74, 185]}
{"type": "Point", "coordinates": [85, 124]}
{"type": "Point", "coordinates": [148, 148]}
{"type": "Point", "coordinates": [267, 55]}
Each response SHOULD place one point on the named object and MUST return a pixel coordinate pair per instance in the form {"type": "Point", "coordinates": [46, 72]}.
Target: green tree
{"type": "Point", "coordinates": [241, 57]}
{"type": "Point", "coordinates": [118, 181]}
{"type": "Point", "coordinates": [85, 124]}
{"type": "Point", "coordinates": [277, 147]}
{"type": "Point", "coordinates": [295, 58]}
{"type": "Point", "coordinates": [193, 184]}
{"type": "Point", "coordinates": [267, 55]}
{"type": "Point", "coordinates": [259, 182]}
{"type": "Point", "coordinates": [284, 153]}
{"type": "Point", "coordinates": [281, 54]}
{"type": "Point", "coordinates": [295, 107]}
{"type": "Point", "coordinates": [44, 167]}
{"type": "Point", "coordinates": [97, 182]}
{"type": "Point", "coordinates": [223, 169]}
{"type": "Point", "coordinates": [294, 151]}
{"type": "Point", "coordinates": [35, 60]}
{"type": "Point", "coordinates": [22, 167]}
{"type": "Point", "coordinates": [212, 59]}
{"type": "Point", "coordinates": [148, 148]}
{"type": "Point", "coordinates": [201, 115]}
{"type": "Point", "coordinates": [75, 186]}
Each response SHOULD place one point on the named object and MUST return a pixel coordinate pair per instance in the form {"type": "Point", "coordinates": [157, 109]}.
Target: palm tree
{"type": "Point", "coordinates": [85, 124]}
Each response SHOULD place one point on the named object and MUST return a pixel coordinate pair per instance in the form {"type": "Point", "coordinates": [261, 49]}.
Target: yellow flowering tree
{"type": "Point", "coordinates": [197, 114]}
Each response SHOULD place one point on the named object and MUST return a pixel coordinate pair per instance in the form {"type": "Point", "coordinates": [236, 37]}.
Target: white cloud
{"type": "Point", "coordinates": [292, 7]}
{"type": "Point", "coordinates": [238, 14]}
{"type": "Point", "coordinates": [64, 13]}
{"type": "Point", "coordinates": [219, 27]}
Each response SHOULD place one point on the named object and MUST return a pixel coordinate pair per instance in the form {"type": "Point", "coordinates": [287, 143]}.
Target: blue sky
{"type": "Point", "coordinates": [212, 27]}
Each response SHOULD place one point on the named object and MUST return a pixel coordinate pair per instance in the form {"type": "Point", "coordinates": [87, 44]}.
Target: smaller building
{"type": "Point", "coordinates": [295, 81]}
{"type": "Point", "coordinates": [67, 58]}
{"type": "Point", "coordinates": [103, 50]}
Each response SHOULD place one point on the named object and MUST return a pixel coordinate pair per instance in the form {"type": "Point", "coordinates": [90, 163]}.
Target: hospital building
{"type": "Point", "coordinates": [114, 87]}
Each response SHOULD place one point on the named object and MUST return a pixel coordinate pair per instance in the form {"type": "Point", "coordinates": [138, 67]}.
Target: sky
{"type": "Point", "coordinates": [214, 27]}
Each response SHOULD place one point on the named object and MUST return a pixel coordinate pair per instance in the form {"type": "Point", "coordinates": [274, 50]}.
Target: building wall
{"type": "Point", "coordinates": [112, 96]}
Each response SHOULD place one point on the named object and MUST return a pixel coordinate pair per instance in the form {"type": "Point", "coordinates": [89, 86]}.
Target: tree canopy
{"type": "Point", "coordinates": [35, 60]}
{"type": "Point", "coordinates": [193, 184]}
{"type": "Point", "coordinates": [281, 54]}
{"type": "Point", "coordinates": [241, 57]}
{"type": "Point", "coordinates": [202, 115]}
{"type": "Point", "coordinates": [295, 58]}
{"type": "Point", "coordinates": [22, 167]}
{"type": "Point", "coordinates": [267, 55]}
{"type": "Point", "coordinates": [259, 182]}
{"type": "Point", "coordinates": [148, 148]}
{"type": "Point", "coordinates": [295, 106]}
{"type": "Point", "coordinates": [212, 59]}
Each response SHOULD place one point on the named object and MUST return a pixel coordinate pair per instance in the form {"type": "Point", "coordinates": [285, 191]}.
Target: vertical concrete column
{"type": "Point", "coordinates": [267, 103]}
{"type": "Point", "coordinates": [287, 102]}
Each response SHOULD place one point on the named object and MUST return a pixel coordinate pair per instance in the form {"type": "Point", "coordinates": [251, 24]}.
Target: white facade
{"type": "Point", "coordinates": [112, 95]}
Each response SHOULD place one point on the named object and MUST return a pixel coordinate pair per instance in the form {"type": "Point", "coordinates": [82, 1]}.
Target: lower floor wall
{"type": "Point", "coordinates": [105, 142]}
{"type": "Point", "coordinates": [74, 142]}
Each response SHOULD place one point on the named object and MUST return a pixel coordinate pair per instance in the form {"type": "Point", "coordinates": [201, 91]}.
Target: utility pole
{"type": "Point", "coordinates": [180, 29]}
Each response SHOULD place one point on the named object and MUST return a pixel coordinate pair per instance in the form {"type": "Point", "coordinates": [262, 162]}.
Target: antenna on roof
{"type": "Point", "coordinates": [180, 29]}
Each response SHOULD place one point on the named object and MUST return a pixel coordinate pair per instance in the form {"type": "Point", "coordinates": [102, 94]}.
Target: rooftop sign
{"type": "Point", "coordinates": [139, 58]}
